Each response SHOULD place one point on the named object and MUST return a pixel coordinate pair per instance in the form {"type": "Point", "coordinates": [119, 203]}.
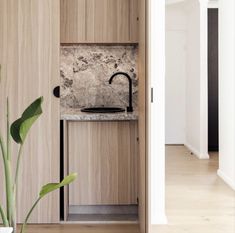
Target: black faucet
{"type": "Point", "coordinates": [129, 108]}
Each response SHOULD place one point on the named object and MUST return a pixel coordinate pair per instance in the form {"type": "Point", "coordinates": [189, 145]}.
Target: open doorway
{"type": "Point", "coordinates": [213, 82]}
{"type": "Point", "coordinates": [213, 85]}
{"type": "Point", "coordinates": [192, 117]}
{"type": "Point", "coordinates": [191, 174]}
{"type": "Point", "coordinates": [186, 76]}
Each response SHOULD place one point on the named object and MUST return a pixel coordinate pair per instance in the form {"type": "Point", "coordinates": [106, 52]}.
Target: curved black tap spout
{"type": "Point", "coordinates": [130, 107]}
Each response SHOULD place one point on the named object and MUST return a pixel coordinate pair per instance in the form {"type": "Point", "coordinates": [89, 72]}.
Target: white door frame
{"type": "Point", "coordinates": [156, 62]}
{"type": "Point", "coordinates": [204, 79]}
{"type": "Point", "coordinates": [156, 162]}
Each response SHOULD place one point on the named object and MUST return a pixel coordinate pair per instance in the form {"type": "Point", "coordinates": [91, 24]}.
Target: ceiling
{"type": "Point", "coordinates": [168, 2]}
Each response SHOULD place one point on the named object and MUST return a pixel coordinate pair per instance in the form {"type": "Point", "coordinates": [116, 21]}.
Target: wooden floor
{"type": "Point", "coordinates": [197, 200]}
{"type": "Point", "coordinates": [83, 228]}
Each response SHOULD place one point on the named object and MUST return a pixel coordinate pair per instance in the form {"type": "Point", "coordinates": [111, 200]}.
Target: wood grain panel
{"type": "Point", "coordinates": [66, 169]}
{"type": "Point", "coordinates": [29, 54]}
{"type": "Point", "coordinates": [111, 21]}
{"type": "Point", "coordinates": [142, 106]}
{"type": "Point", "coordinates": [105, 155]}
{"type": "Point", "coordinates": [99, 21]}
{"type": "Point", "coordinates": [72, 21]}
{"type": "Point", "coordinates": [123, 20]}
{"type": "Point", "coordinates": [97, 24]}
{"type": "Point", "coordinates": [9, 80]}
{"type": "Point", "coordinates": [134, 20]}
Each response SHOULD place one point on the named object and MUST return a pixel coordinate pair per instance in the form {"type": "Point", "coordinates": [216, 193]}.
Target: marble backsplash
{"type": "Point", "coordinates": [85, 71]}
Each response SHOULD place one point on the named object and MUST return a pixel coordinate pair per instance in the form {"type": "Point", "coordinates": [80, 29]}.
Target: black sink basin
{"type": "Point", "coordinates": [103, 110]}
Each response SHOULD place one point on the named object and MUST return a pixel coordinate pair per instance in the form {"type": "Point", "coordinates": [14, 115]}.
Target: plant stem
{"type": "Point", "coordinates": [8, 182]}
{"type": "Point", "coordinates": [3, 150]}
{"type": "Point", "coordinates": [7, 179]}
{"type": "Point", "coordinates": [13, 223]}
{"type": "Point", "coordinates": [4, 217]}
{"type": "Point", "coordinates": [18, 165]}
{"type": "Point", "coordinates": [8, 132]}
{"type": "Point", "coordinates": [13, 191]}
{"type": "Point", "coordinates": [9, 192]}
{"type": "Point", "coordinates": [28, 215]}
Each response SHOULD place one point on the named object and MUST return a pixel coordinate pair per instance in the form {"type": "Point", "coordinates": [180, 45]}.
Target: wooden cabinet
{"type": "Point", "coordinates": [72, 21]}
{"type": "Point", "coordinates": [29, 55]}
{"type": "Point", "coordinates": [104, 154]}
{"type": "Point", "coordinates": [99, 21]}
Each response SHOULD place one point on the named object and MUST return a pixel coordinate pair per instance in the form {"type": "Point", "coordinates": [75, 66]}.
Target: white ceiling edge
{"type": "Point", "coordinates": [170, 2]}
{"type": "Point", "coordinates": [213, 4]}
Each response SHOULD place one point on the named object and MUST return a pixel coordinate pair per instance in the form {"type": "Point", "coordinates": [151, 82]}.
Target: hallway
{"type": "Point", "coordinates": [197, 200]}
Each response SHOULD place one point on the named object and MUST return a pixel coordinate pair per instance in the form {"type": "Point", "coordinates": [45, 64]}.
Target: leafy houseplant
{"type": "Point", "coordinates": [18, 131]}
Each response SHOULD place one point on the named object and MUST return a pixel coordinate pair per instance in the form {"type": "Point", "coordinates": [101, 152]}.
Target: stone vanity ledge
{"type": "Point", "coordinates": [77, 115]}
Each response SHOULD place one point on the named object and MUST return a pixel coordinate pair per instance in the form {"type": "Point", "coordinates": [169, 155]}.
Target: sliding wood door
{"type": "Point", "coordinates": [29, 55]}
{"type": "Point", "coordinates": [142, 184]}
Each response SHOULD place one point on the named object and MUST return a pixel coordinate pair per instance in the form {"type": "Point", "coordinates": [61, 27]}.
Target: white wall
{"type": "Point", "coordinates": [175, 73]}
{"type": "Point", "coordinates": [186, 75]}
{"type": "Point", "coordinates": [156, 161]}
{"type": "Point", "coordinates": [196, 81]}
{"type": "Point", "coordinates": [193, 76]}
{"type": "Point", "coordinates": [213, 3]}
{"type": "Point", "coordinates": [227, 91]}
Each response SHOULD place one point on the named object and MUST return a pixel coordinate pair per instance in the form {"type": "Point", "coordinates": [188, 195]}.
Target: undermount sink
{"type": "Point", "coordinates": [103, 110]}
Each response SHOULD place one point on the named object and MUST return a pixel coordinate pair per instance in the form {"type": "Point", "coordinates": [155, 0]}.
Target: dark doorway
{"type": "Point", "coordinates": [213, 92]}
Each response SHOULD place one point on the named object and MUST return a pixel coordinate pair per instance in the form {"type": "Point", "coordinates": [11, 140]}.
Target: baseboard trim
{"type": "Point", "coordinates": [196, 152]}
{"type": "Point", "coordinates": [160, 220]}
{"type": "Point", "coordinates": [98, 222]}
{"type": "Point", "coordinates": [226, 179]}
{"type": "Point", "coordinates": [103, 209]}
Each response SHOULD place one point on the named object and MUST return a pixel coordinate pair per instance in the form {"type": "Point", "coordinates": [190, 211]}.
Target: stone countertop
{"type": "Point", "coordinates": [75, 114]}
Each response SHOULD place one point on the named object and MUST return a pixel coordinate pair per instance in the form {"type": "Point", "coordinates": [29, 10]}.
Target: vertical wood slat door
{"type": "Point", "coordinates": [29, 54]}
{"type": "Point", "coordinates": [104, 154]}
{"type": "Point", "coordinates": [143, 124]}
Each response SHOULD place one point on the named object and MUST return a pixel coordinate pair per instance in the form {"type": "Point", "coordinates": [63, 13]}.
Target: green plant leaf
{"type": "Point", "coordinates": [21, 127]}
{"type": "Point", "coordinates": [53, 186]}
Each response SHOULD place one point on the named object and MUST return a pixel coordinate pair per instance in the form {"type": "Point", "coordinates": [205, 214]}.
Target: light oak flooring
{"type": "Point", "coordinates": [197, 200]}
{"type": "Point", "coordinates": [84, 228]}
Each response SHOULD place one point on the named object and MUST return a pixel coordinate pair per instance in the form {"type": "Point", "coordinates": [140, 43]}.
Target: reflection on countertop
{"type": "Point", "coordinates": [75, 114]}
